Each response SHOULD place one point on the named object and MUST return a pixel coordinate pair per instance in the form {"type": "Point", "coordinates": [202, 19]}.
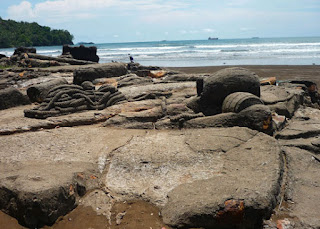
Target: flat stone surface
{"type": "Point", "coordinates": [250, 173]}
{"type": "Point", "coordinates": [303, 188]}
{"type": "Point", "coordinates": [198, 168]}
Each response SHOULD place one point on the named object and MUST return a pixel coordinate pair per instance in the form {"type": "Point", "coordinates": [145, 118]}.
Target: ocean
{"type": "Point", "coordinates": [252, 51]}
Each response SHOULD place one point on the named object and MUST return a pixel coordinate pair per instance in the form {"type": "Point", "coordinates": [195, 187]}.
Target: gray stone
{"type": "Point", "coordinates": [224, 82]}
{"type": "Point", "coordinates": [93, 72]}
{"type": "Point", "coordinates": [205, 203]}
{"type": "Point", "coordinates": [12, 97]}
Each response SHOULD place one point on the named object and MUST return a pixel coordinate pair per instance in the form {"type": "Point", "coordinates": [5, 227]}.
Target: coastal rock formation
{"type": "Point", "coordinates": [99, 71]}
{"type": "Point", "coordinates": [81, 52]}
{"type": "Point", "coordinates": [223, 83]}
{"type": "Point", "coordinates": [238, 169]}
{"type": "Point", "coordinates": [38, 92]}
{"type": "Point", "coordinates": [21, 50]}
{"type": "Point", "coordinates": [11, 97]}
{"type": "Point", "coordinates": [65, 98]}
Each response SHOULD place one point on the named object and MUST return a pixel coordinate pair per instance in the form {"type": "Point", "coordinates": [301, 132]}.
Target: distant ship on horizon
{"type": "Point", "coordinates": [213, 38]}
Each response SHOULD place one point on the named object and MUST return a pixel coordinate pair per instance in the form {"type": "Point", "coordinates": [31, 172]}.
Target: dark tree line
{"type": "Point", "coordinates": [15, 34]}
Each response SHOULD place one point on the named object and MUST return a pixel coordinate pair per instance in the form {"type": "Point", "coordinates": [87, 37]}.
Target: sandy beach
{"type": "Point", "coordinates": [281, 72]}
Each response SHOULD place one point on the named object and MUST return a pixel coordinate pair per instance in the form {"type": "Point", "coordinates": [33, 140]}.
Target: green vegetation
{"type": "Point", "coordinates": [16, 34]}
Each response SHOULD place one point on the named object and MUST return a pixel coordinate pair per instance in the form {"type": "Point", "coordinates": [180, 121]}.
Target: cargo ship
{"type": "Point", "coordinates": [212, 38]}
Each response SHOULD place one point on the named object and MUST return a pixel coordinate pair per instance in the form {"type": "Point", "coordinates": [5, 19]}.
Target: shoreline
{"type": "Point", "coordinates": [281, 72]}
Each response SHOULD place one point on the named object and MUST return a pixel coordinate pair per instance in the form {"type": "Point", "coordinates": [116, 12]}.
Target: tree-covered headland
{"type": "Point", "coordinates": [15, 34]}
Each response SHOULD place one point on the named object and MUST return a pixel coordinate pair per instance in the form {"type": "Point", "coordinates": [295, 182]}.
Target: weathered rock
{"type": "Point", "coordinates": [12, 97]}
{"type": "Point", "coordinates": [282, 100]}
{"type": "Point", "coordinates": [65, 98]}
{"type": "Point", "coordinates": [302, 193]}
{"type": "Point", "coordinates": [2, 56]}
{"type": "Point", "coordinates": [82, 52]}
{"type": "Point", "coordinates": [148, 168]}
{"type": "Point", "coordinates": [43, 173]}
{"type": "Point", "coordinates": [60, 59]}
{"type": "Point", "coordinates": [99, 71]}
{"type": "Point", "coordinates": [224, 82]}
{"type": "Point", "coordinates": [257, 117]}
{"type": "Point", "coordinates": [38, 92]}
{"type": "Point", "coordinates": [239, 101]}
{"type": "Point", "coordinates": [234, 198]}
{"type": "Point", "coordinates": [21, 50]}
{"type": "Point", "coordinates": [133, 79]}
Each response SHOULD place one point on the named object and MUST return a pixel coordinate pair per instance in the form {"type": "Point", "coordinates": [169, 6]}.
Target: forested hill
{"type": "Point", "coordinates": [15, 34]}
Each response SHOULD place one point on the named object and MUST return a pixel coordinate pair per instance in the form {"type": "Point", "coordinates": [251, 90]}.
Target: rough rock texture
{"type": "Point", "coordinates": [42, 174]}
{"type": "Point", "coordinates": [282, 100]}
{"type": "Point", "coordinates": [149, 167]}
{"type": "Point", "coordinates": [38, 92]}
{"type": "Point", "coordinates": [65, 98]}
{"type": "Point", "coordinates": [11, 97]}
{"type": "Point", "coordinates": [81, 52]}
{"type": "Point", "coordinates": [99, 71]}
{"type": "Point", "coordinates": [257, 117]}
{"type": "Point", "coordinates": [224, 82]}
{"type": "Point", "coordinates": [22, 50]}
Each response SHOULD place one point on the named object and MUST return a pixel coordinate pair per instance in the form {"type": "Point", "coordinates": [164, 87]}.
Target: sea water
{"type": "Point", "coordinates": [251, 51]}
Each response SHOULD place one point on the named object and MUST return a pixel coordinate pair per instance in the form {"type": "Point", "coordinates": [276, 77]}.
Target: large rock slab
{"type": "Point", "coordinates": [199, 170]}
{"type": "Point", "coordinates": [42, 174]}
{"type": "Point", "coordinates": [302, 194]}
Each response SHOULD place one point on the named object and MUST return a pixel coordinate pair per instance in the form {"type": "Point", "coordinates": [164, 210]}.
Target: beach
{"type": "Point", "coordinates": [281, 72]}
{"type": "Point", "coordinates": [145, 214]}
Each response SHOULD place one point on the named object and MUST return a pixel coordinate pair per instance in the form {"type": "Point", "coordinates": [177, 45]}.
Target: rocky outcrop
{"type": "Point", "coordinates": [64, 99]}
{"type": "Point", "coordinates": [81, 52]}
{"type": "Point", "coordinates": [21, 50]}
{"type": "Point", "coordinates": [12, 97]}
{"type": "Point", "coordinates": [223, 83]}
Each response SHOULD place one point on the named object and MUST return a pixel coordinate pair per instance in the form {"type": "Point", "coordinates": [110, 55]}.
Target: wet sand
{"type": "Point", "coordinates": [140, 215]}
{"type": "Point", "coordinates": [281, 72]}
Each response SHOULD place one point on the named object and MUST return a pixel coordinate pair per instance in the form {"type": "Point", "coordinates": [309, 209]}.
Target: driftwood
{"type": "Point", "coordinates": [65, 99]}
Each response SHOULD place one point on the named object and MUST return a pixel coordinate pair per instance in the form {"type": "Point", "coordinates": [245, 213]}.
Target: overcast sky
{"type": "Point", "coordinates": [103, 21]}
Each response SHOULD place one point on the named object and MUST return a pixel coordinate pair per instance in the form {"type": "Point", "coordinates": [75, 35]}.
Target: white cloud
{"type": "Point", "coordinates": [21, 11]}
{"type": "Point", "coordinates": [65, 9]}
{"type": "Point", "coordinates": [208, 30]}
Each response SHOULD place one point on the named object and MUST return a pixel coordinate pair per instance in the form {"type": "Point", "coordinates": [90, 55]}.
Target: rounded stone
{"type": "Point", "coordinates": [225, 82]}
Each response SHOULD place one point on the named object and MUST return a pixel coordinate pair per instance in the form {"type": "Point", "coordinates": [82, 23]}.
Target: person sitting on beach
{"type": "Point", "coordinates": [131, 58]}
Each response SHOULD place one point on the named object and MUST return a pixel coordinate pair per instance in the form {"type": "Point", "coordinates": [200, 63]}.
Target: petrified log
{"type": "Point", "coordinates": [64, 99]}
{"type": "Point", "coordinates": [60, 59]}
{"type": "Point", "coordinates": [223, 83]}
{"type": "Point", "coordinates": [239, 101]}
{"type": "Point", "coordinates": [91, 73]}
{"type": "Point", "coordinates": [38, 92]}
{"type": "Point", "coordinates": [12, 97]}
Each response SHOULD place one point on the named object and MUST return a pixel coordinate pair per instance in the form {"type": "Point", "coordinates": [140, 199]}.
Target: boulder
{"type": "Point", "coordinates": [223, 83]}
{"type": "Point", "coordinates": [21, 50]}
{"type": "Point", "coordinates": [2, 56]}
{"type": "Point", "coordinates": [91, 73]}
{"type": "Point", "coordinates": [81, 52]}
{"type": "Point", "coordinates": [12, 97]}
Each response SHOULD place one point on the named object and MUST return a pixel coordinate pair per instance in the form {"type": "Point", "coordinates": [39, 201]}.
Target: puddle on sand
{"type": "Point", "coordinates": [129, 215]}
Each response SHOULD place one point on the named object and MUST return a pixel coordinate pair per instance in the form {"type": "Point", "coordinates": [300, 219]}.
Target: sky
{"type": "Point", "coordinates": [108, 21]}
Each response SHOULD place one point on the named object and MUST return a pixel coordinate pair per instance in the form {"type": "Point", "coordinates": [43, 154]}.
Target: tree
{"type": "Point", "coordinates": [14, 34]}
